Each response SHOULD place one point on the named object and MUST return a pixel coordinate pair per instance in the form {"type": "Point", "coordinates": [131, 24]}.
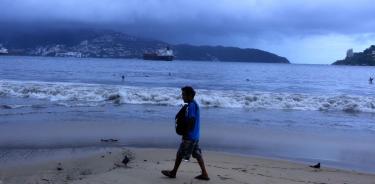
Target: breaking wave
{"type": "Point", "coordinates": [80, 94]}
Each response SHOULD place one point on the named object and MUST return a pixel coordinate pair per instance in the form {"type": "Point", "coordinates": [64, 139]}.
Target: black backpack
{"type": "Point", "coordinates": [181, 125]}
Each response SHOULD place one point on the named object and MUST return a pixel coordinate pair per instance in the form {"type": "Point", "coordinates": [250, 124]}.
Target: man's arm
{"type": "Point", "coordinates": [190, 124]}
{"type": "Point", "coordinates": [191, 113]}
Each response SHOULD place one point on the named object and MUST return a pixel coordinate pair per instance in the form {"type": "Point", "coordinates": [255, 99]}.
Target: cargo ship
{"type": "Point", "coordinates": [160, 55]}
{"type": "Point", "coordinates": [3, 51]}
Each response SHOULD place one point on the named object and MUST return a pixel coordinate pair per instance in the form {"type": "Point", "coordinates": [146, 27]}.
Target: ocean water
{"type": "Point", "coordinates": [308, 113]}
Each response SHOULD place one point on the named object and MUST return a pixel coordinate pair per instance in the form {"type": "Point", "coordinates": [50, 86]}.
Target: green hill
{"type": "Point", "coordinates": [365, 58]}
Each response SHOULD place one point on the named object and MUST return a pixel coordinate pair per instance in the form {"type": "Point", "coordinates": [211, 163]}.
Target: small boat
{"type": "Point", "coordinates": [160, 55]}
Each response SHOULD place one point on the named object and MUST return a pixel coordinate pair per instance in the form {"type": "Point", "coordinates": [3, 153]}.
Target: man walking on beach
{"type": "Point", "coordinates": [189, 145]}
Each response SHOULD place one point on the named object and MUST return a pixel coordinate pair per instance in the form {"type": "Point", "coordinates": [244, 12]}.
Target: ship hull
{"type": "Point", "coordinates": [157, 58]}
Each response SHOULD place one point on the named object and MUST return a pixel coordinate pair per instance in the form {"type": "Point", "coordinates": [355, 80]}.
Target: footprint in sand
{"type": "Point", "coordinates": [85, 172]}
{"type": "Point", "coordinates": [223, 177]}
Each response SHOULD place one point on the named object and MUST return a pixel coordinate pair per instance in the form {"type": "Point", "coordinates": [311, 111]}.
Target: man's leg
{"type": "Point", "coordinates": [197, 153]}
{"type": "Point", "coordinates": [203, 168]}
{"type": "Point", "coordinates": [176, 164]}
{"type": "Point", "coordinates": [173, 172]}
{"type": "Point", "coordinates": [182, 150]}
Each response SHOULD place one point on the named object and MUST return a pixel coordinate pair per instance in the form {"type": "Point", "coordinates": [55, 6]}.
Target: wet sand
{"type": "Point", "coordinates": [104, 166]}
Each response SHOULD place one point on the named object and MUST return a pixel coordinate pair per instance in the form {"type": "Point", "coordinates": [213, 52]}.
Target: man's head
{"type": "Point", "coordinates": [188, 94]}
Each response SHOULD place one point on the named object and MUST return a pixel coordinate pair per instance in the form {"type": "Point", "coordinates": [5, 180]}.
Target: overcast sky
{"type": "Point", "coordinates": [304, 31]}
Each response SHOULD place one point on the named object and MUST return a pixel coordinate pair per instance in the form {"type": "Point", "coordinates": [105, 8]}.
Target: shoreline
{"type": "Point", "coordinates": [104, 166]}
{"type": "Point", "coordinates": [301, 161]}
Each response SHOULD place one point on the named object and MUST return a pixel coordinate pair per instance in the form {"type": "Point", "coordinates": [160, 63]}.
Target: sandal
{"type": "Point", "coordinates": [168, 174]}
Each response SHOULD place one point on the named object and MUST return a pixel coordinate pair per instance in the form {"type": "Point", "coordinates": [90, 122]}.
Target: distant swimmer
{"type": "Point", "coordinates": [123, 77]}
{"type": "Point", "coordinates": [370, 80]}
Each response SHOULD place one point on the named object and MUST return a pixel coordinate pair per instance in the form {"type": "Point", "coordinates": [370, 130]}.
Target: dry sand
{"type": "Point", "coordinates": [146, 164]}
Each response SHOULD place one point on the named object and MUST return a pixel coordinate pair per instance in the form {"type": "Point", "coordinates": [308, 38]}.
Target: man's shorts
{"type": "Point", "coordinates": [188, 148]}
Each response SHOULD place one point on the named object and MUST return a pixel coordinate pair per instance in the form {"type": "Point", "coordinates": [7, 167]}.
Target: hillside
{"type": "Point", "coordinates": [111, 44]}
{"type": "Point", "coordinates": [365, 58]}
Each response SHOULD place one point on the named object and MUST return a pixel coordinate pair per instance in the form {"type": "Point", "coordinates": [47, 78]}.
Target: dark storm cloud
{"type": "Point", "coordinates": [227, 22]}
{"type": "Point", "coordinates": [213, 18]}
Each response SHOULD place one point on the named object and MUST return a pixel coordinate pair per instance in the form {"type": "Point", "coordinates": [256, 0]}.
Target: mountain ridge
{"type": "Point", "coordinates": [112, 44]}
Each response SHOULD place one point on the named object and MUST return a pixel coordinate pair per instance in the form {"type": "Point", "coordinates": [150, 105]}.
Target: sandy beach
{"type": "Point", "coordinates": [145, 165]}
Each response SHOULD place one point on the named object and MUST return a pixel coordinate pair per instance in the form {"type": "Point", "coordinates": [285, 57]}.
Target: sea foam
{"type": "Point", "coordinates": [82, 94]}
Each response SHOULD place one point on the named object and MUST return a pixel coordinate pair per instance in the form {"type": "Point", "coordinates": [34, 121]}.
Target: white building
{"type": "Point", "coordinates": [349, 53]}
